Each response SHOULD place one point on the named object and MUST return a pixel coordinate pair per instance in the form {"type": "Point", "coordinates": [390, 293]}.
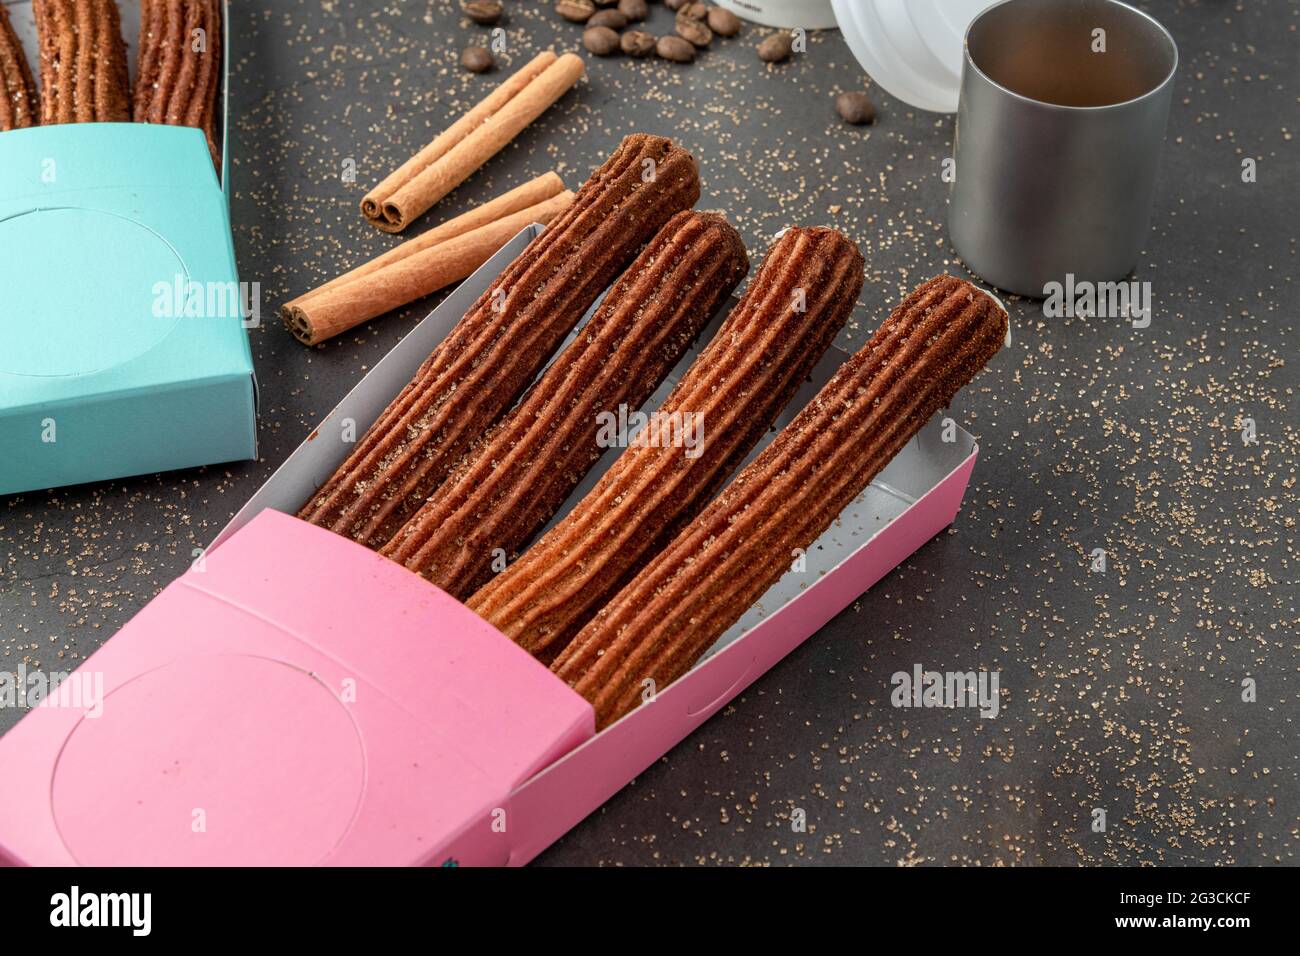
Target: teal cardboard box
{"type": "Point", "coordinates": [123, 347]}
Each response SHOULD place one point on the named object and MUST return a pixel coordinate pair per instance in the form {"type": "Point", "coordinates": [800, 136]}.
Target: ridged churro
{"type": "Point", "coordinates": [482, 367]}
{"type": "Point", "coordinates": [736, 387]}
{"type": "Point", "coordinates": [18, 103]}
{"type": "Point", "coordinates": [664, 619]}
{"type": "Point", "coordinates": [83, 62]}
{"type": "Point", "coordinates": [513, 481]}
{"type": "Point", "coordinates": [178, 72]}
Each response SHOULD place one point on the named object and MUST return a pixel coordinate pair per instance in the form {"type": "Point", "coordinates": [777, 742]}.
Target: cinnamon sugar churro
{"type": "Point", "coordinates": [179, 69]}
{"type": "Point", "coordinates": [514, 480]}
{"type": "Point", "coordinates": [476, 374]}
{"type": "Point", "coordinates": [83, 62]}
{"type": "Point", "coordinates": [664, 619]}
{"type": "Point", "coordinates": [734, 389]}
{"type": "Point", "coordinates": [18, 103]}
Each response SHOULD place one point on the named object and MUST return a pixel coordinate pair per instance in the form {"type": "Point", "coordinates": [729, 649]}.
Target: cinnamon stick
{"type": "Point", "coordinates": [330, 311]}
{"type": "Point", "coordinates": [531, 193]}
{"type": "Point", "coordinates": [470, 142]}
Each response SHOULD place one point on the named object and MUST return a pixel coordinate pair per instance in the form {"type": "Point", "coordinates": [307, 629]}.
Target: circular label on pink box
{"type": "Point", "coordinates": [211, 761]}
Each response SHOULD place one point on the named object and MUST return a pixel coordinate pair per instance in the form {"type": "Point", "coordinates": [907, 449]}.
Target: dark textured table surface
{"type": "Point", "coordinates": [1120, 690]}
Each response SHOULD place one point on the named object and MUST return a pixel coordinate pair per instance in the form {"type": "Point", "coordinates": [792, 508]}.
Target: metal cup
{"type": "Point", "coordinates": [1059, 129]}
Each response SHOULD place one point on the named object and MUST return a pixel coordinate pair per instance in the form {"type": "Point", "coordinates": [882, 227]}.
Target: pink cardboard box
{"type": "Point", "coordinates": [296, 699]}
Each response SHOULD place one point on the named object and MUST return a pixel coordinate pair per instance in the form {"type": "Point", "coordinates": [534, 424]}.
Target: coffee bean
{"type": "Point", "coordinates": [476, 59]}
{"type": "Point", "coordinates": [723, 22]}
{"type": "Point", "coordinates": [577, 11]}
{"type": "Point", "coordinates": [483, 12]}
{"type": "Point", "coordinates": [696, 11]}
{"type": "Point", "coordinates": [634, 10]}
{"type": "Point", "coordinates": [601, 41]}
{"type": "Point", "coordinates": [606, 3]}
{"type": "Point", "coordinates": [608, 18]}
{"type": "Point", "coordinates": [775, 48]}
{"type": "Point", "coordinates": [675, 49]}
{"type": "Point", "coordinates": [694, 30]}
{"type": "Point", "coordinates": [675, 4]}
{"type": "Point", "coordinates": [855, 108]}
{"type": "Point", "coordinates": [637, 43]}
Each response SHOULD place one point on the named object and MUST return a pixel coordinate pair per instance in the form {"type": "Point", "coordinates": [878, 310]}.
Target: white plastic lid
{"type": "Point", "coordinates": [912, 48]}
{"type": "Point", "coordinates": [788, 14]}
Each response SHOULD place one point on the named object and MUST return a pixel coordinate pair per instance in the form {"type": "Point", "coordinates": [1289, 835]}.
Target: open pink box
{"type": "Point", "coordinates": [296, 699]}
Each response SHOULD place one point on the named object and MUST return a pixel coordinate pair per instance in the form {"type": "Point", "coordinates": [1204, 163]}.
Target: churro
{"type": "Point", "coordinates": [514, 480]}
{"type": "Point", "coordinates": [83, 62]}
{"type": "Point", "coordinates": [18, 102]}
{"type": "Point", "coordinates": [478, 372]}
{"type": "Point", "coordinates": [733, 392]}
{"type": "Point", "coordinates": [665, 618]}
{"type": "Point", "coordinates": [178, 72]}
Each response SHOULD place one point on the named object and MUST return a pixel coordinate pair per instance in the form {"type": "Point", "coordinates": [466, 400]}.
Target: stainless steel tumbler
{"type": "Point", "coordinates": [1059, 128]}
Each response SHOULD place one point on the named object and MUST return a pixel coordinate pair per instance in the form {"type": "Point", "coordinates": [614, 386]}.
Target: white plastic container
{"type": "Point", "coordinates": [911, 48]}
{"type": "Point", "coordinates": [809, 14]}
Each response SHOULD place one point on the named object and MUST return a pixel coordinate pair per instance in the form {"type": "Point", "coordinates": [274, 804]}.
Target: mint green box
{"type": "Point", "coordinates": [123, 348]}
